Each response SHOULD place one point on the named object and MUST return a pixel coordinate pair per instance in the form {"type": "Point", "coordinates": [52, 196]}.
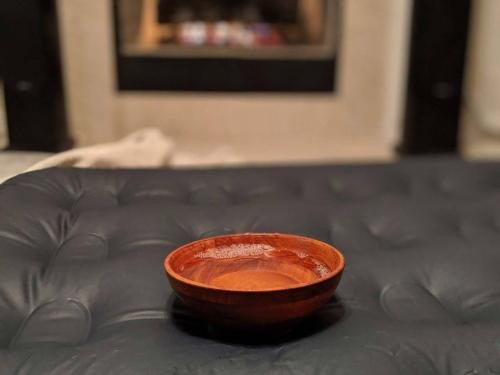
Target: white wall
{"type": "Point", "coordinates": [360, 121]}
{"type": "Point", "coordinates": [481, 115]}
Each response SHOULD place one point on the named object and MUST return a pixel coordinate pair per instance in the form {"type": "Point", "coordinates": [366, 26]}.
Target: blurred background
{"type": "Point", "coordinates": [250, 81]}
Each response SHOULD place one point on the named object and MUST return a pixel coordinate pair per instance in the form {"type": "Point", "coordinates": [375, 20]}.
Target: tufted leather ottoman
{"type": "Point", "coordinates": [82, 289]}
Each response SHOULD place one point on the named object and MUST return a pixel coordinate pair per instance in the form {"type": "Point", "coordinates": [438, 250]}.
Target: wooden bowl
{"type": "Point", "coordinates": [253, 281]}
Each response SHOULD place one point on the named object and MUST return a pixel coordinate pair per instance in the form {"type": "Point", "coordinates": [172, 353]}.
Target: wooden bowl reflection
{"type": "Point", "coordinates": [252, 281]}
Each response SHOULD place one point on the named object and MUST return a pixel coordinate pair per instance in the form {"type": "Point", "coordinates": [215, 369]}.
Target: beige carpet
{"type": "Point", "coordinates": [14, 162]}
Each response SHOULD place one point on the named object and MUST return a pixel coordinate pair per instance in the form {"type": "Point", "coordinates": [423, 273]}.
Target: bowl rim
{"type": "Point", "coordinates": [170, 272]}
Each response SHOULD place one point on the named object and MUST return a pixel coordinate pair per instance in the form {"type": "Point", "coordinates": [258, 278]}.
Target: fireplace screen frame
{"type": "Point", "coordinates": [232, 70]}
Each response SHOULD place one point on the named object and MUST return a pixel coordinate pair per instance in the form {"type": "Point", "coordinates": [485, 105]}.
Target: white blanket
{"type": "Point", "coordinates": [147, 148]}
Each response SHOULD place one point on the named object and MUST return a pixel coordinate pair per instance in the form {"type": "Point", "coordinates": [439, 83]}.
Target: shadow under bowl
{"type": "Point", "coordinates": [254, 281]}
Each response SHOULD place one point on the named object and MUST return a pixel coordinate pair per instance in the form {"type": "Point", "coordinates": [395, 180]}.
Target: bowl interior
{"type": "Point", "coordinates": [254, 262]}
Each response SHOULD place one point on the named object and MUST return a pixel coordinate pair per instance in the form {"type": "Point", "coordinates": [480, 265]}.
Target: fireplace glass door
{"type": "Point", "coordinates": [255, 45]}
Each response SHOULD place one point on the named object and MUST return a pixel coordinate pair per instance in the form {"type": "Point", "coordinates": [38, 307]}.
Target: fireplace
{"type": "Point", "coordinates": [159, 46]}
{"type": "Point", "coordinates": [226, 45]}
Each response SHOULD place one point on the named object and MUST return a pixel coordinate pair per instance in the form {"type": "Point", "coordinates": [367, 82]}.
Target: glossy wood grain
{"type": "Point", "coordinates": [254, 280]}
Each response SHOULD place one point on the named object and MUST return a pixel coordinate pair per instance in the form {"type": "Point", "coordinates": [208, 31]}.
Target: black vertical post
{"type": "Point", "coordinates": [439, 37]}
{"type": "Point", "coordinates": [31, 74]}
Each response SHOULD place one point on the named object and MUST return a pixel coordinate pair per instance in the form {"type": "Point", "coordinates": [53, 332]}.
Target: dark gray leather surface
{"type": "Point", "coordinates": [82, 288]}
